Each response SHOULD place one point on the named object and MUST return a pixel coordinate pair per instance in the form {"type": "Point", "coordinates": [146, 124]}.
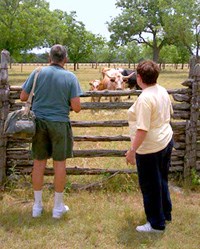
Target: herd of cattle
{"type": "Point", "coordinates": [114, 79]}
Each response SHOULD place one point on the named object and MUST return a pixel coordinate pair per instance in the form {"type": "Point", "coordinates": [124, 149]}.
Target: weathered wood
{"type": "Point", "coordinates": [25, 155]}
{"type": "Point", "coordinates": [192, 123]}
{"type": "Point", "coordinates": [110, 105]}
{"type": "Point", "coordinates": [14, 96]}
{"type": "Point", "coordinates": [96, 105]}
{"type": "Point", "coordinates": [4, 110]}
{"type": "Point", "coordinates": [193, 61]}
{"type": "Point", "coordinates": [181, 97]}
{"type": "Point", "coordinates": [17, 89]}
{"type": "Point", "coordinates": [188, 83]}
{"type": "Point", "coordinates": [106, 93]}
{"type": "Point", "coordinates": [176, 169]}
{"type": "Point", "coordinates": [101, 138]}
{"type": "Point", "coordinates": [93, 171]}
{"type": "Point", "coordinates": [180, 91]}
{"type": "Point", "coordinates": [178, 153]}
{"type": "Point", "coordinates": [198, 165]}
{"type": "Point", "coordinates": [181, 114]}
{"type": "Point", "coordinates": [5, 58]}
{"type": "Point", "coordinates": [179, 137]}
{"type": "Point", "coordinates": [105, 105]}
{"type": "Point", "coordinates": [111, 123]}
{"type": "Point", "coordinates": [84, 171]}
{"type": "Point", "coordinates": [179, 146]}
{"type": "Point", "coordinates": [181, 106]}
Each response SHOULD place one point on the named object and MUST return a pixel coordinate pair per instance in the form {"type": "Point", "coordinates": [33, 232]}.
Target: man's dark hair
{"type": "Point", "coordinates": [58, 53]}
{"type": "Point", "coordinates": [148, 71]}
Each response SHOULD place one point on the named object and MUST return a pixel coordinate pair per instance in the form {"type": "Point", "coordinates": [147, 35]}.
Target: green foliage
{"type": "Point", "coordinates": [195, 177]}
{"type": "Point", "coordinates": [21, 23]}
{"type": "Point", "coordinates": [174, 54]}
{"type": "Point", "coordinates": [157, 23]}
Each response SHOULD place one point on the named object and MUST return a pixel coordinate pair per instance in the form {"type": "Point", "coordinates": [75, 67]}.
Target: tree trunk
{"type": "Point", "coordinates": [156, 52]}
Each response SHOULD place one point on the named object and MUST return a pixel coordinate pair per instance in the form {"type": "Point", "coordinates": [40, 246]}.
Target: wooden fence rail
{"type": "Point", "coordinates": [186, 126]}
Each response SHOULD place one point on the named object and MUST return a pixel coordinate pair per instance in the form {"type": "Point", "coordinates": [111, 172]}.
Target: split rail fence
{"type": "Point", "coordinates": [186, 126]}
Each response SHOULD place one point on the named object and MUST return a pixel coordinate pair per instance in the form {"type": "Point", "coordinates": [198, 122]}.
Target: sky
{"type": "Point", "coordinates": [93, 13]}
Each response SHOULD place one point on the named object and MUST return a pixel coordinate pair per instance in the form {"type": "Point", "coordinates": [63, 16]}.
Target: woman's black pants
{"type": "Point", "coordinates": [153, 172]}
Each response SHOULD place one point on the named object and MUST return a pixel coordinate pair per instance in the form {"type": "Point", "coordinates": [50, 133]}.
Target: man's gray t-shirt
{"type": "Point", "coordinates": [55, 87]}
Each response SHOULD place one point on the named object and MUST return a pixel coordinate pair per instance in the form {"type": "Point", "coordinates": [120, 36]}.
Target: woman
{"type": "Point", "coordinates": [151, 146]}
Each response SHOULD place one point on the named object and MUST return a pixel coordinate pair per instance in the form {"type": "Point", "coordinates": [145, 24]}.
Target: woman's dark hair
{"type": "Point", "coordinates": [148, 71]}
{"type": "Point", "coordinates": [58, 53]}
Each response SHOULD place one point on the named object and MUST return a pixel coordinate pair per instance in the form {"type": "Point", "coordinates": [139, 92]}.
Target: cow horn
{"type": "Point", "coordinates": [110, 77]}
{"type": "Point", "coordinates": [130, 75]}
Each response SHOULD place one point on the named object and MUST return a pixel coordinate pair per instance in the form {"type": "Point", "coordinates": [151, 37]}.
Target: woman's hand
{"type": "Point", "coordinates": [130, 157]}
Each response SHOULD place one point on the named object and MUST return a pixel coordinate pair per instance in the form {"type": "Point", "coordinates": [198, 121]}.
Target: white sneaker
{"type": "Point", "coordinates": [147, 228]}
{"type": "Point", "coordinates": [58, 212]}
{"type": "Point", "coordinates": [37, 211]}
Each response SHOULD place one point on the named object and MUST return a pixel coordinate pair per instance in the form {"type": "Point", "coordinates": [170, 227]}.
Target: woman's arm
{"type": "Point", "coordinates": [138, 140]}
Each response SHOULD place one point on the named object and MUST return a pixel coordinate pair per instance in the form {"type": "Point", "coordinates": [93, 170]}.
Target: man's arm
{"type": "Point", "coordinates": [76, 104]}
{"type": "Point", "coordinates": [24, 95]}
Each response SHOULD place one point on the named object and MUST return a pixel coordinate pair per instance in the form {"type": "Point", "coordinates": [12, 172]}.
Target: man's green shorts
{"type": "Point", "coordinates": [52, 140]}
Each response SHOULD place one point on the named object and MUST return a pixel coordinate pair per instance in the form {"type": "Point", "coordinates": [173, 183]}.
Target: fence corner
{"type": "Point", "coordinates": [4, 110]}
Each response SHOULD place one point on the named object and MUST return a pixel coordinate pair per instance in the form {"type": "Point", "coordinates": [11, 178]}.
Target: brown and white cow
{"type": "Point", "coordinates": [96, 85]}
{"type": "Point", "coordinates": [113, 79]}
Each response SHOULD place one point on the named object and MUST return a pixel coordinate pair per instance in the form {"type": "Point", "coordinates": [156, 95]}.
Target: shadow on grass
{"type": "Point", "coordinates": [15, 220]}
{"type": "Point", "coordinates": [129, 237]}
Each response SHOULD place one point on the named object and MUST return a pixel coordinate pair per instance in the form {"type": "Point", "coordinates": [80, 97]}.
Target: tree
{"type": "Point", "coordinates": [138, 21]}
{"type": "Point", "coordinates": [22, 24]}
{"type": "Point", "coordinates": [77, 39]}
{"type": "Point", "coordinates": [182, 24]}
{"type": "Point", "coordinates": [132, 52]}
{"type": "Point", "coordinates": [156, 23]}
{"type": "Point", "coordinates": [108, 54]}
{"type": "Point", "coordinates": [97, 49]}
{"type": "Point", "coordinates": [174, 54]}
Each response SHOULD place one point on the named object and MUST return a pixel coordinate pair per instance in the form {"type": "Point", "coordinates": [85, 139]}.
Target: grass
{"type": "Point", "coordinates": [104, 217]}
{"type": "Point", "coordinates": [98, 219]}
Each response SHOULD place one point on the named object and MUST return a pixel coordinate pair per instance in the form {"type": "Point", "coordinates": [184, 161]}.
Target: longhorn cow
{"type": "Point", "coordinates": [113, 79]}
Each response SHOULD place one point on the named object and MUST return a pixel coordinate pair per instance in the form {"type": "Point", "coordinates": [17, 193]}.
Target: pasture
{"type": "Point", "coordinates": [104, 217]}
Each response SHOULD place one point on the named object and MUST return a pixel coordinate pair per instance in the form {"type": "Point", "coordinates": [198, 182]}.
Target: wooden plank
{"type": "Point", "coordinates": [84, 171]}
{"type": "Point", "coordinates": [111, 123]}
{"type": "Point", "coordinates": [101, 138]}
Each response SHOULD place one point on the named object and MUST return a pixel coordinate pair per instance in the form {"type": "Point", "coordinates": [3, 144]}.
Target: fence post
{"type": "Point", "coordinates": [4, 110]}
{"type": "Point", "coordinates": [192, 124]}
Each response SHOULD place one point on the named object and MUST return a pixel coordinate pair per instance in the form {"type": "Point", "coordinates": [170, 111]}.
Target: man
{"type": "Point", "coordinates": [56, 91]}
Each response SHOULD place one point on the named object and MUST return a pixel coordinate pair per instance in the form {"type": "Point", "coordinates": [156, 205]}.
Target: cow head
{"type": "Point", "coordinates": [94, 85]}
{"type": "Point", "coordinates": [117, 79]}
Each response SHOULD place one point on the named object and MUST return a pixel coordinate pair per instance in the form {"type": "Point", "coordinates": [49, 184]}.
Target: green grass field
{"type": "Point", "coordinates": [103, 218]}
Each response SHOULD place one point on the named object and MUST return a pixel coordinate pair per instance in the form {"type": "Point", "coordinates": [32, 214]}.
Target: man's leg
{"type": "Point", "coordinates": [60, 175]}
{"type": "Point", "coordinates": [38, 174]}
{"type": "Point", "coordinates": [59, 185]}
{"type": "Point", "coordinates": [37, 180]}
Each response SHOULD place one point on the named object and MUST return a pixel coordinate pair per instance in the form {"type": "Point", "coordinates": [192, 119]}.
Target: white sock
{"type": "Point", "coordinates": [38, 197]}
{"type": "Point", "coordinates": [58, 200]}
